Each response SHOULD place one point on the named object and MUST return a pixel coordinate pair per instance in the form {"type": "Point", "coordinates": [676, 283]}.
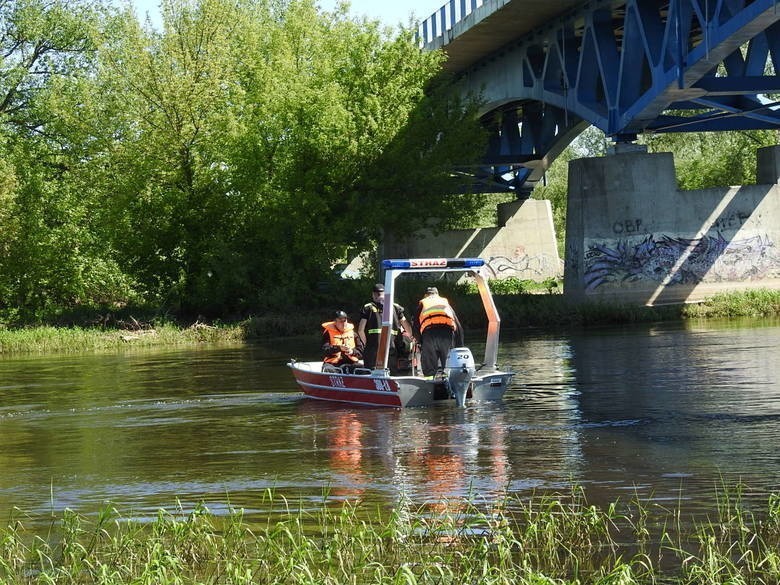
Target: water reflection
{"type": "Point", "coordinates": [345, 444]}
{"type": "Point", "coordinates": [678, 406]}
{"type": "Point", "coordinates": [431, 456]}
{"type": "Point", "coordinates": [665, 412]}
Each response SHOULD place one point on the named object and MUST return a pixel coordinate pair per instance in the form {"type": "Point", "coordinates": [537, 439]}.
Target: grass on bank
{"type": "Point", "coordinates": [542, 540]}
{"type": "Point", "coordinates": [555, 310]}
{"type": "Point", "coordinates": [517, 309]}
{"type": "Point", "coordinates": [46, 338]}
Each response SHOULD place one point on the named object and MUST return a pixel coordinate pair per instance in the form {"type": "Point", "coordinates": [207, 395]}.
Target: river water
{"type": "Point", "coordinates": [672, 413]}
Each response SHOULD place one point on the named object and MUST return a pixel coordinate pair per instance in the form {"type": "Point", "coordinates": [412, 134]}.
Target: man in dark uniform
{"type": "Point", "coordinates": [370, 326]}
{"type": "Point", "coordinates": [437, 328]}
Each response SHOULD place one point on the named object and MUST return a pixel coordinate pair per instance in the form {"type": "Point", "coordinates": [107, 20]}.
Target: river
{"type": "Point", "coordinates": [671, 413]}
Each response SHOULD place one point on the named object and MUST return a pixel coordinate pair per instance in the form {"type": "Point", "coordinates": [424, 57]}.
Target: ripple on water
{"type": "Point", "coordinates": [662, 413]}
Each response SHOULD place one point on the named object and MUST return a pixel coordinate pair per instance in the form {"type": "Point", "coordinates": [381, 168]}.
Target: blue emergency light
{"type": "Point", "coordinates": [432, 263]}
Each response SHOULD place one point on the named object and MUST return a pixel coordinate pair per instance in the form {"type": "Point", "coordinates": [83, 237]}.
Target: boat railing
{"type": "Point", "coordinates": [475, 266]}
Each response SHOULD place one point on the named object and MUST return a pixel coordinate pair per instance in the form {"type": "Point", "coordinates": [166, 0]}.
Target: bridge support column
{"type": "Point", "coordinates": [522, 245]}
{"type": "Point", "coordinates": [633, 237]}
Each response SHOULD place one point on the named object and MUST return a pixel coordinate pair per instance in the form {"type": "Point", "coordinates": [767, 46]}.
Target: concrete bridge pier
{"type": "Point", "coordinates": [522, 245]}
{"type": "Point", "coordinates": [633, 237]}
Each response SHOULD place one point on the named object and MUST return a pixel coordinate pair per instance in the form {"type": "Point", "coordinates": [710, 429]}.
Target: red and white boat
{"type": "Point", "coordinates": [461, 379]}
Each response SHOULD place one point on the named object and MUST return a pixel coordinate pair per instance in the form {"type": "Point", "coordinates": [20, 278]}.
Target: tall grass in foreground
{"type": "Point", "coordinates": [544, 540]}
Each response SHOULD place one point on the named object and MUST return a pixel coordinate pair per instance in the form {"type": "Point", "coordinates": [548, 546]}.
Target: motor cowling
{"type": "Point", "coordinates": [459, 372]}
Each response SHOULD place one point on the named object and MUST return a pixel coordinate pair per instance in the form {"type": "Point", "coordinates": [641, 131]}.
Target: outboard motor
{"type": "Point", "coordinates": [459, 371]}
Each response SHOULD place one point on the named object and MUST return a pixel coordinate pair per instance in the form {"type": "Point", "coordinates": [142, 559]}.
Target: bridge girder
{"type": "Point", "coordinates": [627, 67]}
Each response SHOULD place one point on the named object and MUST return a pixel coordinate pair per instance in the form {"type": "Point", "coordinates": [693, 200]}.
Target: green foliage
{"type": "Point", "coordinates": [220, 165]}
{"type": "Point", "coordinates": [508, 286]}
{"type": "Point", "coordinates": [50, 254]}
{"type": "Point", "coordinates": [119, 336]}
{"type": "Point", "coordinates": [513, 286]}
{"type": "Point", "coordinates": [710, 159]}
{"type": "Point", "coordinates": [751, 303]}
{"type": "Point", "coordinates": [548, 538]}
{"type": "Point", "coordinates": [556, 191]}
{"type": "Point", "coordinates": [486, 215]}
{"type": "Point", "coordinates": [223, 164]}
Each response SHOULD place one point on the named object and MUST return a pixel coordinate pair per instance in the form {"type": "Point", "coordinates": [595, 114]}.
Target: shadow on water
{"type": "Point", "coordinates": [667, 413]}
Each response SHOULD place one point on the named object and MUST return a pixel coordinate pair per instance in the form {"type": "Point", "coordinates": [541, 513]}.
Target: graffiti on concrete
{"type": "Point", "coordinates": [524, 267]}
{"type": "Point", "coordinates": [680, 260]}
{"type": "Point", "coordinates": [627, 226]}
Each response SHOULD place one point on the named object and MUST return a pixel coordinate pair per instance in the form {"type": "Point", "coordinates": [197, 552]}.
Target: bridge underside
{"type": "Point", "coordinates": [626, 67]}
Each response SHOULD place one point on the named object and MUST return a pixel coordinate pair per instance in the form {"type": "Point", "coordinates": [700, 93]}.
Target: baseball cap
{"type": "Point", "coordinates": [379, 287]}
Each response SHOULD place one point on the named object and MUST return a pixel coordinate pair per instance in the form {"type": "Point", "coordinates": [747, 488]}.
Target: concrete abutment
{"type": "Point", "coordinates": [633, 237]}
{"type": "Point", "coordinates": [522, 245]}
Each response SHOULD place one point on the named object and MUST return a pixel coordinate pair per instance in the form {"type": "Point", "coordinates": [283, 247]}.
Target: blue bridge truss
{"type": "Point", "coordinates": [627, 67]}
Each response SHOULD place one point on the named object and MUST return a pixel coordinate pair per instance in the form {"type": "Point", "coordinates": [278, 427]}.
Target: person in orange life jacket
{"type": "Point", "coordinates": [338, 342]}
{"type": "Point", "coordinates": [437, 328]}
{"type": "Point", "coordinates": [370, 326]}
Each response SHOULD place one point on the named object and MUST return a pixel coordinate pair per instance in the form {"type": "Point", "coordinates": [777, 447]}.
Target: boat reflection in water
{"type": "Point", "coordinates": [437, 458]}
{"type": "Point", "coordinates": [346, 455]}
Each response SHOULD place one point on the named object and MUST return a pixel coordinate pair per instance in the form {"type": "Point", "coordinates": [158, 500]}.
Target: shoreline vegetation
{"type": "Point", "coordinates": [541, 539]}
{"type": "Point", "coordinates": [518, 311]}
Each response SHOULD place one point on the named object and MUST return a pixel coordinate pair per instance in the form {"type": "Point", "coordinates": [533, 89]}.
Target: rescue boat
{"type": "Point", "coordinates": [461, 381]}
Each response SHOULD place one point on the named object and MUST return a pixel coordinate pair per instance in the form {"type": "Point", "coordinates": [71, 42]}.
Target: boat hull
{"type": "Point", "coordinates": [381, 389]}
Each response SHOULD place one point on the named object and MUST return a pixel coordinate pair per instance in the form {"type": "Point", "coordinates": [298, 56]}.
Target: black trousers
{"type": "Point", "coordinates": [372, 348]}
{"type": "Point", "coordinates": [437, 340]}
{"type": "Point", "coordinates": [369, 352]}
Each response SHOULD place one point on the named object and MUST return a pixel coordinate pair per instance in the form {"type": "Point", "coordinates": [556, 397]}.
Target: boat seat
{"type": "Point", "coordinates": [359, 370]}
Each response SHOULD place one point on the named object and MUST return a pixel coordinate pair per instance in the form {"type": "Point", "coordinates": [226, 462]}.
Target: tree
{"type": "Point", "coordinates": [223, 163]}
{"type": "Point", "coordinates": [350, 134]}
{"type": "Point", "coordinates": [713, 159]}
{"type": "Point", "coordinates": [276, 139]}
{"type": "Point", "coordinates": [41, 41]}
{"type": "Point", "coordinates": [49, 256]}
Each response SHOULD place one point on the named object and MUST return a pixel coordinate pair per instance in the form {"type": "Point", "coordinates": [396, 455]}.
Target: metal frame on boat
{"type": "Point", "coordinates": [461, 379]}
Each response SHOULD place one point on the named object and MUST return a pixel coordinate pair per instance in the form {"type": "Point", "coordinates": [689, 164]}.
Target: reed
{"type": "Point", "coordinates": [557, 539]}
{"type": "Point", "coordinates": [751, 303]}
{"type": "Point", "coordinates": [46, 339]}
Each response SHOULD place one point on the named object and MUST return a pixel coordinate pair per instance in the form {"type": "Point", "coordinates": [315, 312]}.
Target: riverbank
{"type": "Point", "coordinates": [517, 311]}
{"type": "Point", "coordinates": [49, 339]}
{"type": "Point", "coordinates": [556, 539]}
{"type": "Point", "coordinates": [556, 311]}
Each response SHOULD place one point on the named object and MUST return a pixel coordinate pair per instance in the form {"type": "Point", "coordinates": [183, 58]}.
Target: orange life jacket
{"type": "Point", "coordinates": [346, 338]}
{"type": "Point", "coordinates": [436, 310]}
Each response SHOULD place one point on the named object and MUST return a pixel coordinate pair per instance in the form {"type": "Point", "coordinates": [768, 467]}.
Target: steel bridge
{"type": "Point", "coordinates": [548, 69]}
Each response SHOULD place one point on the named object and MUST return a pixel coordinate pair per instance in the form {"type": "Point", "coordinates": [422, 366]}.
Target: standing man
{"type": "Point", "coordinates": [370, 326]}
{"type": "Point", "coordinates": [437, 328]}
